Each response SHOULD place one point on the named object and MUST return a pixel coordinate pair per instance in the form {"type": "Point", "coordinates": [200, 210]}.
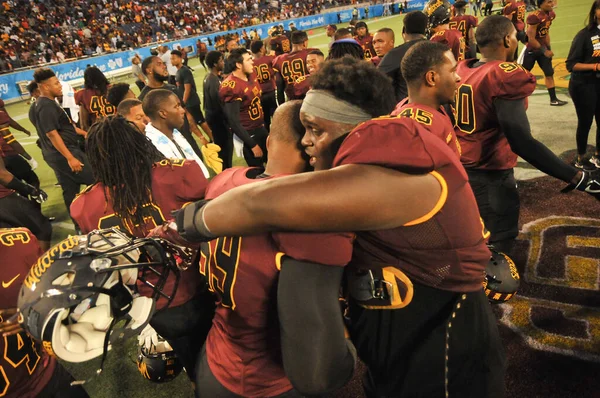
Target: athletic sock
{"type": "Point", "coordinates": [552, 92]}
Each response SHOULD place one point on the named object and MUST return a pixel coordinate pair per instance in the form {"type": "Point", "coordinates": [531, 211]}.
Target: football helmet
{"type": "Point", "coordinates": [79, 297]}
{"type": "Point", "coordinates": [159, 362]}
{"type": "Point", "coordinates": [501, 277]}
{"type": "Point", "coordinates": [438, 13]}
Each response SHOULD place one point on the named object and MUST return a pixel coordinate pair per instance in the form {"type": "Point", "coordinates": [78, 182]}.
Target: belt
{"type": "Point", "coordinates": [385, 288]}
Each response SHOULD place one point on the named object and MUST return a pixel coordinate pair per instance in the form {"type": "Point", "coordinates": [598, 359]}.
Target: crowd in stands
{"type": "Point", "coordinates": [36, 32]}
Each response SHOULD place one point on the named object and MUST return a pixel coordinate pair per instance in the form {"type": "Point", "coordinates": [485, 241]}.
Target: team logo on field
{"type": "Point", "coordinates": [555, 309]}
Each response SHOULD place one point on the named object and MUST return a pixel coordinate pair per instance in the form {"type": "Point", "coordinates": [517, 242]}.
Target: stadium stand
{"type": "Point", "coordinates": [50, 31]}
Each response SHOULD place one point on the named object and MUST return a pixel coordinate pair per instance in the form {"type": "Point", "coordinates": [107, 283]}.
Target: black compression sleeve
{"type": "Point", "coordinates": [316, 356]}
{"type": "Point", "coordinates": [232, 111]}
{"type": "Point", "coordinates": [515, 125]}
{"type": "Point", "coordinates": [21, 187]}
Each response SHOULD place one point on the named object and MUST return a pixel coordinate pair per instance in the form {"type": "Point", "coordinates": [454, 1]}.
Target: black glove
{"type": "Point", "coordinates": [589, 183]}
{"type": "Point", "coordinates": [39, 196]}
{"type": "Point", "coordinates": [28, 191]}
{"type": "Point", "coordinates": [186, 226]}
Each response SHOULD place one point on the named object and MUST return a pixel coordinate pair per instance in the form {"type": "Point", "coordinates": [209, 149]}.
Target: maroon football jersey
{"type": "Point", "coordinates": [516, 13]}
{"type": "Point", "coordinates": [4, 118]}
{"type": "Point", "coordinates": [543, 21]}
{"type": "Point", "coordinates": [301, 87]}
{"type": "Point", "coordinates": [263, 67]}
{"type": "Point", "coordinates": [366, 42]}
{"type": "Point", "coordinates": [482, 142]}
{"type": "Point", "coordinates": [4, 192]}
{"type": "Point", "coordinates": [248, 93]}
{"type": "Point", "coordinates": [444, 249]}
{"type": "Point", "coordinates": [173, 185]}
{"type": "Point", "coordinates": [5, 148]}
{"type": "Point", "coordinates": [454, 40]}
{"type": "Point", "coordinates": [291, 67]}
{"type": "Point", "coordinates": [243, 346]}
{"type": "Point", "coordinates": [281, 44]}
{"type": "Point", "coordinates": [436, 121]}
{"type": "Point", "coordinates": [25, 368]}
{"type": "Point", "coordinates": [96, 105]}
{"type": "Point", "coordinates": [464, 23]}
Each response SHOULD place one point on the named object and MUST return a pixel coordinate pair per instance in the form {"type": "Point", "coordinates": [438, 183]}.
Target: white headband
{"type": "Point", "coordinates": [323, 104]}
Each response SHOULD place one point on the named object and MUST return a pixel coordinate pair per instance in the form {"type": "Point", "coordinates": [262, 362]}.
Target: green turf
{"type": "Point", "coordinates": [553, 126]}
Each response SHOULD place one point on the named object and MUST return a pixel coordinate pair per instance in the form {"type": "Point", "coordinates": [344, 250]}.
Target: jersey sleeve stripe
{"type": "Point", "coordinates": [438, 206]}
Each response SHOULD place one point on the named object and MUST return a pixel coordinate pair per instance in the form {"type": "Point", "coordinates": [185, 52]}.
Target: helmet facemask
{"type": "Point", "coordinates": [80, 297]}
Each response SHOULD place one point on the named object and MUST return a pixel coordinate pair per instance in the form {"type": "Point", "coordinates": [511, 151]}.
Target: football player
{"type": "Point", "coordinates": [24, 209]}
{"type": "Point", "coordinates": [438, 12]}
{"type": "Point", "coordinates": [280, 43]}
{"type": "Point", "coordinates": [16, 159]}
{"type": "Point", "coordinates": [135, 190]}
{"type": "Point", "coordinates": [314, 60]}
{"type": "Point", "coordinates": [419, 317]}
{"type": "Point", "coordinates": [430, 72]}
{"type": "Point", "coordinates": [240, 93]}
{"type": "Point", "coordinates": [202, 51]}
{"type": "Point", "coordinates": [292, 66]}
{"type": "Point", "coordinates": [26, 369]}
{"type": "Point", "coordinates": [92, 101]}
{"type": "Point", "coordinates": [515, 10]}
{"type": "Point", "coordinates": [345, 47]}
{"type": "Point", "coordinates": [493, 129]}
{"type": "Point", "coordinates": [466, 25]}
{"type": "Point", "coordinates": [538, 46]}
{"type": "Point", "coordinates": [365, 39]}
{"type": "Point", "coordinates": [242, 356]}
{"type": "Point", "coordinates": [263, 66]}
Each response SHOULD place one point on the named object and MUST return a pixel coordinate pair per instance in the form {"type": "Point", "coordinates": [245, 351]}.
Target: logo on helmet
{"type": "Point", "coordinates": [44, 262]}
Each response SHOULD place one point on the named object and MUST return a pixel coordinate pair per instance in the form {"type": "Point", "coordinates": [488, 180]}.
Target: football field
{"type": "Point", "coordinates": [551, 330]}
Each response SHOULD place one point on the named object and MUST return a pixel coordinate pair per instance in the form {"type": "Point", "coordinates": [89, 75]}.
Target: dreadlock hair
{"type": "Point", "coordinates": [345, 47]}
{"type": "Point", "coordinates": [122, 159]}
{"type": "Point", "coordinates": [94, 79]}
